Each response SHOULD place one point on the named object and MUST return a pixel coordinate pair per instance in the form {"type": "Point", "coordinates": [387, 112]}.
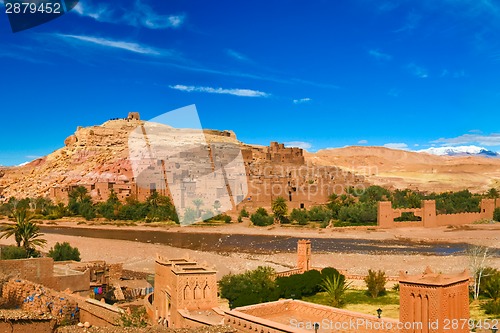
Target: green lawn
{"type": "Point", "coordinates": [359, 301]}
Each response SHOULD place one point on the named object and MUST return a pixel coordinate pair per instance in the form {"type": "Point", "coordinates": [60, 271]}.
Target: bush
{"type": "Point", "coordinates": [252, 287]}
{"type": "Point", "coordinates": [299, 216]}
{"type": "Point", "coordinates": [375, 282]}
{"type": "Point", "coordinates": [261, 220]}
{"type": "Point", "coordinates": [492, 307]}
{"type": "Point", "coordinates": [261, 211]}
{"type": "Point", "coordinates": [63, 252]}
{"type": "Point", "coordinates": [491, 286]}
{"type": "Point", "coordinates": [359, 213]}
{"type": "Point", "coordinates": [320, 214]}
{"type": "Point", "coordinates": [496, 214]}
{"type": "Point", "coordinates": [244, 213]}
{"type": "Point", "coordinates": [137, 318]}
{"type": "Point", "coordinates": [13, 252]}
{"type": "Point", "coordinates": [240, 219]}
{"type": "Point", "coordinates": [298, 285]}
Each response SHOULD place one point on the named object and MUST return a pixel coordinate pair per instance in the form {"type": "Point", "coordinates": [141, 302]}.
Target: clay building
{"type": "Point", "coordinates": [185, 294]}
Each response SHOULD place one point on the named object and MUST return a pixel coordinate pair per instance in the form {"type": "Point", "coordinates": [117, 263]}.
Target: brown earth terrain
{"type": "Point", "coordinates": [400, 169]}
{"type": "Point", "coordinates": [143, 254]}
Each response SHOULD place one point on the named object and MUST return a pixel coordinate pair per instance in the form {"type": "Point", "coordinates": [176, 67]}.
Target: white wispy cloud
{"type": "Point", "coordinates": [393, 92]}
{"type": "Point", "coordinates": [122, 45]}
{"type": "Point", "coordinates": [418, 71]}
{"type": "Point", "coordinates": [142, 15]}
{"type": "Point", "coordinates": [396, 145]}
{"type": "Point", "coordinates": [412, 21]}
{"type": "Point", "coordinates": [457, 74]}
{"type": "Point", "coordinates": [210, 90]}
{"type": "Point", "coordinates": [237, 55]}
{"type": "Point", "coordinates": [302, 100]}
{"type": "Point", "coordinates": [299, 144]}
{"type": "Point", "coordinates": [362, 142]}
{"type": "Point", "coordinates": [490, 140]}
{"type": "Point", "coordinates": [378, 55]}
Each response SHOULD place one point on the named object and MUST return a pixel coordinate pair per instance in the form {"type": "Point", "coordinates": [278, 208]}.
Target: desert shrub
{"type": "Point", "coordinates": [298, 285]}
{"type": "Point", "coordinates": [299, 216]}
{"type": "Point", "coordinates": [491, 286]}
{"type": "Point", "coordinates": [220, 217]}
{"type": "Point", "coordinates": [251, 287]}
{"type": "Point", "coordinates": [87, 210]}
{"type": "Point", "coordinates": [240, 219]}
{"type": "Point", "coordinates": [319, 213]}
{"type": "Point", "coordinates": [496, 214]}
{"type": "Point", "coordinates": [189, 215]}
{"type": "Point", "coordinates": [137, 318]}
{"type": "Point", "coordinates": [261, 211]}
{"type": "Point", "coordinates": [207, 216]}
{"type": "Point", "coordinates": [359, 213]}
{"type": "Point", "coordinates": [492, 307]}
{"type": "Point", "coordinates": [375, 282]}
{"type": "Point", "coordinates": [13, 252]}
{"type": "Point", "coordinates": [64, 251]}
{"type": "Point", "coordinates": [244, 213]}
{"type": "Point", "coordinates": [261, 218]}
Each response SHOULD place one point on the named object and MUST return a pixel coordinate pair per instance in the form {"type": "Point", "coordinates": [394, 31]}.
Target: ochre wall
{"type": "Point", "coordinates": [430, 219]}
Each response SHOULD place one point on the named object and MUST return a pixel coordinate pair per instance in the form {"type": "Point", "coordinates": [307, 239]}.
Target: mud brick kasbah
{"type": "Point", "coordinates": [185, 296]}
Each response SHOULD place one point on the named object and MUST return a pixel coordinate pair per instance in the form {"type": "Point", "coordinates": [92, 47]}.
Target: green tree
{"type": "Point", "coordinates": [492, 287]}
{"type": "Point", "coordinates": [80, 203]}
{"type": "Point", "coordinates": [261, 218]}
{"type": "Point", "coordinates": [26, 233]}
{"type": "Point", "coordinates": [496, 214]}
{"type": "Point", "coordinates": [335, 287]}
{"type": "Point", "coordinates": [252, 287]}
{"type": "Point", "coordinates": [279, 208]}
{"type": "Point", "coordinates": [217, 205]}
{"type": "Point", "coordinates": [244, 213]}
{"type": "Point", "coordinates": [198, 202]}
{"type": "Point", "coordinates": [63, 252]}
{"type": "Point", "coordinates": [299, 215]}
{"type": "Point", "coordinates": [160, 208]}
{"type": "Point", "coordinates": [493, 193]}
{"type": "Point", "coordinates": [190, 215]}
{"type": "Point", "coordinates": [375, 282]}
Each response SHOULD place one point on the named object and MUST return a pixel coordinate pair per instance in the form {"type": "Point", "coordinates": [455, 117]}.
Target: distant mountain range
{"type": "Point", "coordinates": [461, 151]}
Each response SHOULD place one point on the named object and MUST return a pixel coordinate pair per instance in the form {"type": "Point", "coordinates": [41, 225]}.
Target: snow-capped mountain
{"type": "Point", "coordinates": [460, 151]}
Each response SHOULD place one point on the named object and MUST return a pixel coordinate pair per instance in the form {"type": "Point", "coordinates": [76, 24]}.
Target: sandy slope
{"type": "Point", "coordinates": [404, 169]}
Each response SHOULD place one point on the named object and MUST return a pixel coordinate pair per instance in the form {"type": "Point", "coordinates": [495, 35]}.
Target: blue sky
{"type": "Point", "coordinates": [316, 73]}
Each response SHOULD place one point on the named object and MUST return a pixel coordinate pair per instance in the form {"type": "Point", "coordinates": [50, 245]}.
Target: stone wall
{"type": "Point", "coordinates": [99, 313]}
{"type": "Point", "coordinates": [41, 270]}
{"type": "Point", "coordinates": [279, 316]}
{"type": "Point", "coordinates": [430, 219]}
{"type": "Point", "coordinates": [15, 321]}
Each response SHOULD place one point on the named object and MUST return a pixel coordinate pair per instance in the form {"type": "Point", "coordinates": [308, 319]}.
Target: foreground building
{"type": "Point", "coordinates": [185, 296]}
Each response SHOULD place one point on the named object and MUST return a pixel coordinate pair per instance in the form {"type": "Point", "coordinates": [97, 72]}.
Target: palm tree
{"type": "Point", "coordinates": [217, 206]}
{"type": "Point", "coordinates": [198, 202]}
{"type": "Point", "coordinates": [26, 233]}
{"type": "Point", "coordinates": [279, 208]}
{"type": "Point", "coordinates": [335, 287]}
